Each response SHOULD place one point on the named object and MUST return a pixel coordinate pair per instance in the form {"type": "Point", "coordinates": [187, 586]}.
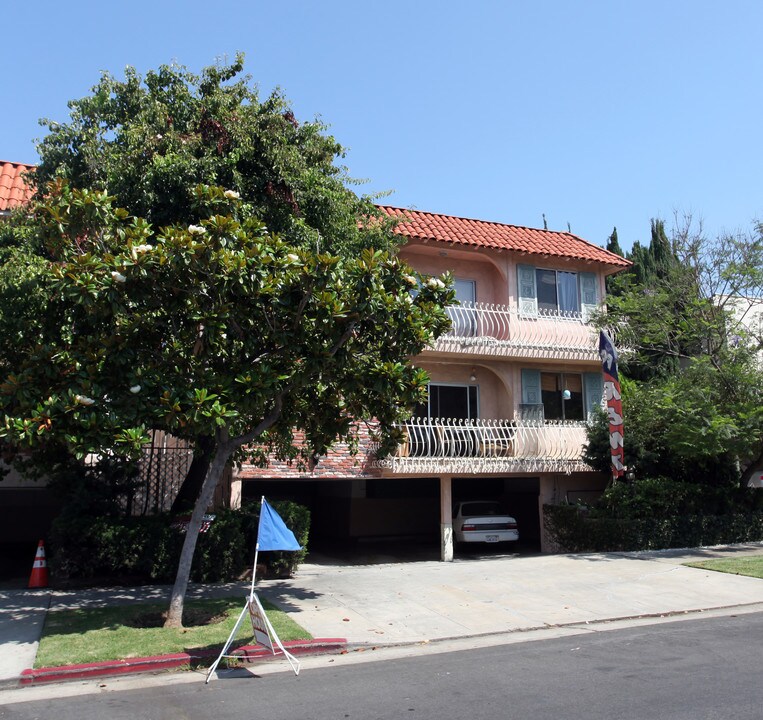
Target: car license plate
{"type": "Point", "coordinates": [491, 538]}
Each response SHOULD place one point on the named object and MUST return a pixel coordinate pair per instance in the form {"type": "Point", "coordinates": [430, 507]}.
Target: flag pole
{"type": "Point", "coordinates": [256, 549]}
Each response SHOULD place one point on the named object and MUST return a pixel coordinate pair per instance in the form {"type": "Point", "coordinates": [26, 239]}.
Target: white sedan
{"type": "Point", "coordinates": [483, 521]}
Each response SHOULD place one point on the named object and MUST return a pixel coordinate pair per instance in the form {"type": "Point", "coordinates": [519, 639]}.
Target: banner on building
{"type": "Point", "coordinates": [608, 356]}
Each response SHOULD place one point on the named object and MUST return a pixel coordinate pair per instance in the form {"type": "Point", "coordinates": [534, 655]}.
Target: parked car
{"type": "Point", "coordinates": [483, 521]}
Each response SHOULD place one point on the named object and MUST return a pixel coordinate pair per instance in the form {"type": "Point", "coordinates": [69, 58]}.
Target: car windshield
{"type": "Point", "coordinates": [471, 509]}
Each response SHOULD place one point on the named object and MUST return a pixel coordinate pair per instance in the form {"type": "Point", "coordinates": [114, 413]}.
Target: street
{"type": "Point", "coordinates": [698, 669]}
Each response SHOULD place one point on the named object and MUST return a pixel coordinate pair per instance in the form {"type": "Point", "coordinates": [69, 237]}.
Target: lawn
{"type": "Point", "coordinates": [752, 566]}
{"type": "Point", "coordinates": [126, 631]}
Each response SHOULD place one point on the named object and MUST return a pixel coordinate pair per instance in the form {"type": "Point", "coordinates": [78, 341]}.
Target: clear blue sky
{"type": "Point", "coordinates": [596, 113]}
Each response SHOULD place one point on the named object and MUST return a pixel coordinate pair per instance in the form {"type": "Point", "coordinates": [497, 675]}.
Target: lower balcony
{"type": "Point", "coordinates": [444, 446]}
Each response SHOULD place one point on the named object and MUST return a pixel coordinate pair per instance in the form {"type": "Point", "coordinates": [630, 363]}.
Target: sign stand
{"type": "Point", "coordinates": [264, 634]}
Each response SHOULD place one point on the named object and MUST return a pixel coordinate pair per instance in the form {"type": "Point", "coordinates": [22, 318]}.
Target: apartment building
{"type": "Point", "coordinates": [511, 387]}
{"type": "Point", "coordinates": [512, 384]}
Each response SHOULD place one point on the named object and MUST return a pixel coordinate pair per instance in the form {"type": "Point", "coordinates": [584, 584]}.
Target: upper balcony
{"type": "Point", "coordinates": [482, 329]}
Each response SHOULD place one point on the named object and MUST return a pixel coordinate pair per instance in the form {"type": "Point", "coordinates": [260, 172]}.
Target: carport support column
{"type": "Point", "coordinates": [546, 496]}
{"type": "Point", "coordinates": [446, 519]}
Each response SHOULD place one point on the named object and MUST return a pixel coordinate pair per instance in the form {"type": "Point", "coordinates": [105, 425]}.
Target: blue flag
{"type": "Point", "coordinates": [273, 533]}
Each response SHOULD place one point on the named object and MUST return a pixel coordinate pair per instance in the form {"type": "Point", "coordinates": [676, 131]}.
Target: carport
{"type": "Point", "coordinates": [404, 516]}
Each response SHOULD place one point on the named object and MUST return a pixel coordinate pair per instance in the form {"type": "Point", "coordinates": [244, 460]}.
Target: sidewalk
{"type": "Point", "coordinates": [415, 602]}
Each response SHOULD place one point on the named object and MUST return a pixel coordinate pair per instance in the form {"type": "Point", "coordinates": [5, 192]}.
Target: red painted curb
{"type": "Point", "coordinates": [158, 663]}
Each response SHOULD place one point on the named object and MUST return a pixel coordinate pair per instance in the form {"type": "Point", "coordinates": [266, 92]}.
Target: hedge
{"type": "Point", "coordinates": [147, 549]}
{"type": "Point", "coordinates": [572, 529]}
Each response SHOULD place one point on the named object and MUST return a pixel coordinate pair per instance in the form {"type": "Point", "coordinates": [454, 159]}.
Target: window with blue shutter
{"type": "Point", "coordinates": [555, 292]}
{"type": "Point", "coordinates": [558, 396]}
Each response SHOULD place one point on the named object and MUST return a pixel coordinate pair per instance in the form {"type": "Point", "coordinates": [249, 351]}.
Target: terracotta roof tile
{"type": "Point", "coordinates": [481, 233]}
{"type": "Point", "coordinates": [13, 190]}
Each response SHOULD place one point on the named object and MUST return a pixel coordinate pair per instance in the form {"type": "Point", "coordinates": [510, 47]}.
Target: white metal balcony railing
{"type": "Point", "coordinates": [468, 446]}
{"type": "Point", "coordinates": [505, 330]}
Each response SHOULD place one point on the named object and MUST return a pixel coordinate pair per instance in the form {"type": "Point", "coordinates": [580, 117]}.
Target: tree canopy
{"type": "Point", "coordinates": [693, 394]}
{"type": "Point", "coordinates": [147, 140]}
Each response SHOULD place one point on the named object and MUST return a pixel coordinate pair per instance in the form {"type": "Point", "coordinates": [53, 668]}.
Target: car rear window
{"type": "Point", "coordinates": [481, 508]}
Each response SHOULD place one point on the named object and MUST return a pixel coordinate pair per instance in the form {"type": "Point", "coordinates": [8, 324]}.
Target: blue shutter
{"type": "Point", "coordinates": [528, 299]}
{"type": "Point", "coordinates": [531, 407]}
{"type": "Point", "coordinates": [589, 294]}
{"type": "Point", "coordinates": [593, 391]}
{"type": "Point", "coordinates": [531, 387]}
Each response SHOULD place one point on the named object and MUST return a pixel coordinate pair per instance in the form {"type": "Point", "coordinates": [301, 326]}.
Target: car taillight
{"type": "Point", "coordinates": [512, 526]}
{"type": "Point", "coordinates": [467, 528]}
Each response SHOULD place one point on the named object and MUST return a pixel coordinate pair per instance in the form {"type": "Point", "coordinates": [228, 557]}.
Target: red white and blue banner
{"type": "Point", "coordinates": [608, 356]}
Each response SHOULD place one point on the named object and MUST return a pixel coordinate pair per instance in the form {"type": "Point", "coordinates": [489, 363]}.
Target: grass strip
{"type": "Point", "coordinates": [120, 632]}
{"type": "Point", "coordinates": [752, 566]}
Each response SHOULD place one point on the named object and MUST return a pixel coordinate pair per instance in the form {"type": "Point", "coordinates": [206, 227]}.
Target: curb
{"type": "Point", "coordinates": [159, 663]}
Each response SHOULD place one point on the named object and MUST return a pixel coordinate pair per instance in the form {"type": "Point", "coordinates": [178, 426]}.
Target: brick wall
{"type": "Point", "coordinates": [338, 463]}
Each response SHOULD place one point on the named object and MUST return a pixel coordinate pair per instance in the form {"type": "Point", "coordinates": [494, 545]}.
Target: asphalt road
{"type": "Point", "coordinates": [694, 669]}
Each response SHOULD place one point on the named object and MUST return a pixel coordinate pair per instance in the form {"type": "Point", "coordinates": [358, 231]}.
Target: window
{"type": "Point", "coordinates": [463, 318]}
{"type": "Point", "coordinates": [555, 291]}
{"type": "Point", "coordinates": [559, 396]}
{"type": "Point", "coordinates": [562, 396]}
{"type": "Point", "coordinates": [445, 403]}
{"type": "Point", "coordinates": [457, 402]}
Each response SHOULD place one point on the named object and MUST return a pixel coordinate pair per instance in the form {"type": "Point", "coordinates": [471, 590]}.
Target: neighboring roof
{"type": "Point", "coordinates": [484, 234]}
{"type": "Point", "coordinates": [13, 190]}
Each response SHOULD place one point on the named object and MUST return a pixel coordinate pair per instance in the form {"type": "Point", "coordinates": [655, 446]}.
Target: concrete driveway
{"type": "Point", "coordinates": [430, 600]}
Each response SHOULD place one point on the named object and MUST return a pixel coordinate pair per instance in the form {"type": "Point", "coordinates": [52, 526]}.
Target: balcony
{"type": "Point", "coordinates": [483, 329]}
{"type": "Point", "coordinates": [446, 446]}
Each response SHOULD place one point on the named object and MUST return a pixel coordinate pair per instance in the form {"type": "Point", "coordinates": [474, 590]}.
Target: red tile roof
{"type": "Point", "coordinates": [483, 234]}
{"type": "Point", "coordinates": [13, 190]}
{"type": "Point", "coordinates": [416, 224]}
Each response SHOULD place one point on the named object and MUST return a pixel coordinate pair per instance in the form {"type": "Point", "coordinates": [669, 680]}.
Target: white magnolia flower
{"type": "Point", "coordinates": [118, 277]}
{"type": "Point", "coordinates": [292, 257]}
{"type": "Point", "coordinates": [84, 400]}
{"type": "Point", "coordinates": [140, 249]}
{"type": "Point", "coordinates": [196, 230]}
{"type": "Point", "coordinates": [410, 280]}
{"type": "Point", "coordinates": [158, 136]}
{"type": "Point", "coordinates": [135, 389]}
{"type": "Point", "coordinates": [232, 195]}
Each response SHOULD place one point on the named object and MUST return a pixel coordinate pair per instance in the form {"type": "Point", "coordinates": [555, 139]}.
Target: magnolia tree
{"type": "Point", "coordinates": [149, 139]}
{"type": "Point", "coordinates": [215, 329]}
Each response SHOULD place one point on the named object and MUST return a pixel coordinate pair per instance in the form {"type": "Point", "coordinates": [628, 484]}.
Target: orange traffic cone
{"type": "Point", "coordinates": [39, 576]}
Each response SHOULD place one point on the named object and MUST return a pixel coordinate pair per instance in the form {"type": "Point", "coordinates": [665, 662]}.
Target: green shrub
{"type": "Point", "coordinates": [575, 529]}
{"type": "Point", "coordinates": [148, 548]}
{"type": "Point", "coordinates": [222, 552]}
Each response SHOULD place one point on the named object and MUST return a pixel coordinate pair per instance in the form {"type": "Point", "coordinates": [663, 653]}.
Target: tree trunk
{"type": "Point", "coordinates": [221, 451]}
{"type": "Point", "coordinates": [220, 458]}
